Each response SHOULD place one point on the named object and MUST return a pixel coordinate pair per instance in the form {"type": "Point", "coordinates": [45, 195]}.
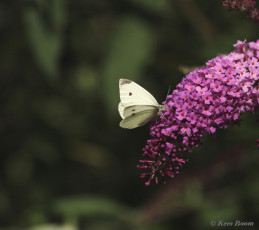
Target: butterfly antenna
{"type": "Point", "coordinates": [168, 90]}
{"type": "Point", "coordinates": [162, 115]}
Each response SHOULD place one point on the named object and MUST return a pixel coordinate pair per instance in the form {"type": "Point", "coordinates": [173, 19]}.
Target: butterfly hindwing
{"type": "Point", "coordinates": [138, 119]}
{"type": "Point", "coordinates": [128, 111]}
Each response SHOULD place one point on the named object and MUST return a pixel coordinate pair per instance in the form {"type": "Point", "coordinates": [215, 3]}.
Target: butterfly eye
{"type": "Point", "coordinates": [130, 94]}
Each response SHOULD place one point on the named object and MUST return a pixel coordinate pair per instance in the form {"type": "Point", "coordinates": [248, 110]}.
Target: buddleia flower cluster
{"type": "Point", "coordinates": [249, 6]}
{"type": "Point", "coordinates": [206, 100]}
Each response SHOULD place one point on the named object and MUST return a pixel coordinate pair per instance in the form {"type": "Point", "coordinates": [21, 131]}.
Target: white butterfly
{"type": "Point", "coordinates": [137, 106]}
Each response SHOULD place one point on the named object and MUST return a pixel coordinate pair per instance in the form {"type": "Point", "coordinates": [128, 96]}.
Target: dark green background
{"type": "Point", "coordinates": [65, 163]}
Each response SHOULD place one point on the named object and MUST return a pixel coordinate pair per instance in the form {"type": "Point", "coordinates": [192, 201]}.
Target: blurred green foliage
{"type": "Point", "coordinates": [65, 163]}
{"type": "Point", "coordinates": [129, 52]}
{"type": "Point", "coordinates": [46, 40]}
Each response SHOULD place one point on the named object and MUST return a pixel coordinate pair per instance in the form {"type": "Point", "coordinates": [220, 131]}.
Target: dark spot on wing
{"type": "Point", "coordinates": [125, 81]}
{"type": "Point", "coordinates": [130, 93]}
{"type": "Point", "coordinates": [133, 110]}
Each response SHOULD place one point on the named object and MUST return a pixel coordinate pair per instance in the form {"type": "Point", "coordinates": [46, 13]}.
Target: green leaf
{"type": "Point", "coordinates": [72, 208]}
{"type": "Point", "coordinates": [54, 227]}
{"type": "Point", "coordinates": [45, 42]}
{"type": "Point", "coordinates": [58, 13]}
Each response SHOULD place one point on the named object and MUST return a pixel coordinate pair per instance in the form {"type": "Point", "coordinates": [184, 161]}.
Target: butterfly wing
{"type": "Point", "coordinates": [140, 118]}
{"type": "Point", "coordinates": [130, 110]}
{"type": "Point", "coordinates": [121, 110]}
{"type": "Point", "coordinates": [133, 94]}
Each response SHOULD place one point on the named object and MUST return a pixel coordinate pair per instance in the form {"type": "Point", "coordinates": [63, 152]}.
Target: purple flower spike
{"type": "Point", "coordinates": [249, 6]}
{"type": "Point", "coordinates": [207, 99]}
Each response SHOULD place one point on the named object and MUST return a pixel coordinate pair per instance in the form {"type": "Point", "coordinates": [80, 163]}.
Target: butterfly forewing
{"type": "Point", "coordinates": [121, 110]}
{"type": "Point", "coordinates": [133, 94]}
